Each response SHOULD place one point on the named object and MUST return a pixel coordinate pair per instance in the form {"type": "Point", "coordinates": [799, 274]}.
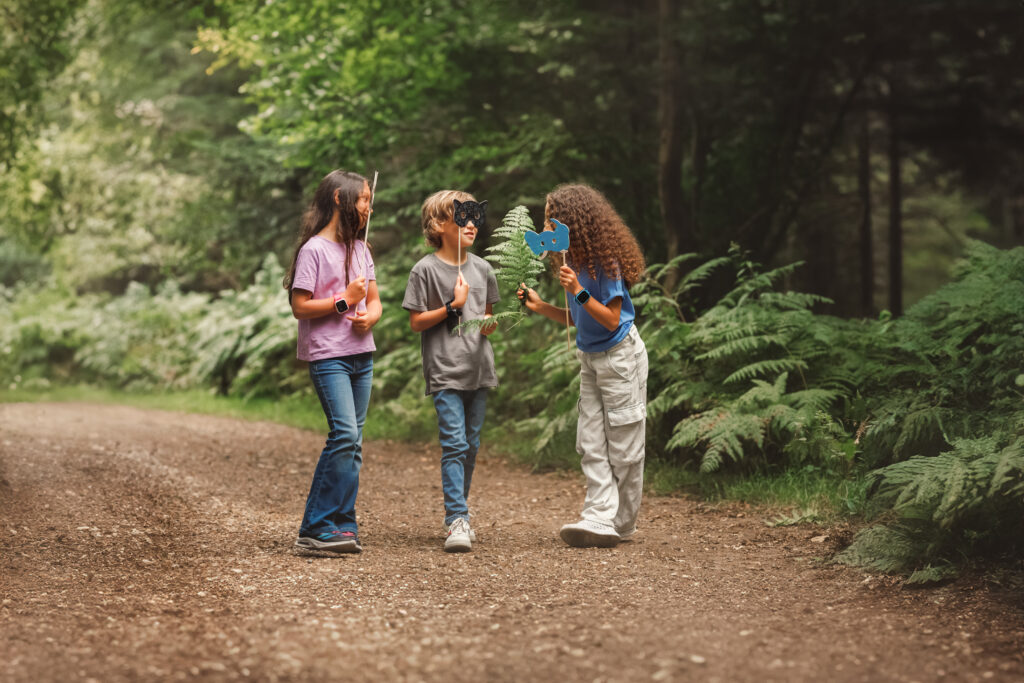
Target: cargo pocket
{"type": "Point", "coordinates": [625, 432]}
{"type": "Point", "coordinates": [620, 417]}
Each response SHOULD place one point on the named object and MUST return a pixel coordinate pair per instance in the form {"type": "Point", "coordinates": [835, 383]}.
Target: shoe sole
{"type": "Point", "coordinates": [583, 538]}
{"type": "Point", "coordinates": [339, 547]}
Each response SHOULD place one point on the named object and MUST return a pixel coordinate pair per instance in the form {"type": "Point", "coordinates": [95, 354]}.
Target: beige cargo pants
{"type": "Point", "coordinates": [610, 432]}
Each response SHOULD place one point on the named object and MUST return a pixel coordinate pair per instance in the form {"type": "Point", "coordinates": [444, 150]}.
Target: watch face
{"type": "Point", "coordinates": [583, 297]}
{"type": "Point", "coordinates": [341, 305]}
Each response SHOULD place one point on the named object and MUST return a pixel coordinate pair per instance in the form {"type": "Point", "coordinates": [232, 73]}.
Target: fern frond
{"type": "Point", "coordinates": [770, 366]}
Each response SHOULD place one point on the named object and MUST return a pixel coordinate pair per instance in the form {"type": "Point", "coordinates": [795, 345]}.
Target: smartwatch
{"type": "Point", "coordinates": [454, 316]}
{"type": "Point", "coordinates": [583, 297]}
{"type": "Point", "coordinates": [340, 305]}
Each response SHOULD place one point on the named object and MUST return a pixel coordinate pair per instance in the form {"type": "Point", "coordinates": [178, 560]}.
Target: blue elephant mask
{"type": "Point", "coordinates": [549, 240]}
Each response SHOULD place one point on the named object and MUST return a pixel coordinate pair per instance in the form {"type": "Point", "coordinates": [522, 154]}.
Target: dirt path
{"type": "Point", "coordinates": [142, 545]}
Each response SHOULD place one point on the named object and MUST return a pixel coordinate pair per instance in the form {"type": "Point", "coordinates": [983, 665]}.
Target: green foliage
{"type": "Point", "coordinates": [949, 422]}
{"type": "Point", "coordinates": [515, 260]}
{"type": "Point", "coordinates": [948, 368]}
{"type": "Point", "coordinates": [965, 502]}
{"type": "Point", "coordinates": [137, 171]}
{"type": "Point", "coordinates": [761, 382]}
{"type": "Point", "coordinates": [242, 342]}
{"type": "Point", "coordinates": [515, 263]}
{"type": "Point", "coordinates": [33, 48]}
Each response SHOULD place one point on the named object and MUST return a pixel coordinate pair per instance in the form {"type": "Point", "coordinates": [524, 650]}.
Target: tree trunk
{"type": "Point", "coordinates": [895, 210]}
{"type": "Point", "coordinates": [670, 144]}
{"type": "Point", "coordinates": [867, 252]}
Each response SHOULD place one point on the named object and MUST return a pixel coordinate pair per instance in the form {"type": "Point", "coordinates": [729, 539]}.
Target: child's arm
{"type": "Point", "coordinates": [421, 321]}
{"type": "Point", "coordinates": [608, 315]}
{"type": "Point", "coordinates": [305, 307]}
{"type": "Point", "coordinates": [362, 321]}
{"type": "Point", "coordinates": [537, 305]}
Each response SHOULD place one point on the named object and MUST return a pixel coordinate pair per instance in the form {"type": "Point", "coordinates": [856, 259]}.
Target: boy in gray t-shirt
{"type": "Point", "coordinates": [445, 288]}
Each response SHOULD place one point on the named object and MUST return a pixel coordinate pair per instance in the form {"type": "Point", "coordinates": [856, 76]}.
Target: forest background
{"type": "Point", "coordinates": [831, 196]}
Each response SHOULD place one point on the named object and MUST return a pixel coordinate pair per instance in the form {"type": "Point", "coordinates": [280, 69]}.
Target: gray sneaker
{"type": "Point", "coordinates": [332, 541]}
{"type": "Point", "coordinates": [458, 540]}
{"type": "Point", "coordinates": [587, 534]}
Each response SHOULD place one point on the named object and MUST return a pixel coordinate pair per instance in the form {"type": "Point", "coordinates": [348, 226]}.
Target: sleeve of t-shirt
{"type": "Point", "coordinates": [415, 293]}
{"type": "Point", "coordinates": [371, 271]}
{"type": "Point", "coordinates": [492, 286]}
{"type": "Point", "coordinates": [307, 267]}
{"type": "Point", "coordinates": [612, 288]}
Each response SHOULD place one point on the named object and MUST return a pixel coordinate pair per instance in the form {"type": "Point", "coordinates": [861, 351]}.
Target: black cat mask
{"type": "Point", "coordinates": [470, 211]}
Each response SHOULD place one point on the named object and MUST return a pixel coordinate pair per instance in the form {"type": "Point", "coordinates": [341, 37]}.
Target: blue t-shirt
{"type": "Point", "coordinates": [591, 335]}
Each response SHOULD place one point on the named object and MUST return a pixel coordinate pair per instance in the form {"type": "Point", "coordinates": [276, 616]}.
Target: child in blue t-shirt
{"type": "Point", "coordinates": [613, 361]}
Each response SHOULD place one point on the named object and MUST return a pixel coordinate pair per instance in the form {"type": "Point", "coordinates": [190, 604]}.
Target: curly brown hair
{"type": "Point", "coordinates": [597, 235]}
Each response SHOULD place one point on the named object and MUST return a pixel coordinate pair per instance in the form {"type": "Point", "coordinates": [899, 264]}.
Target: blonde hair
{"type": "Point", "coordinates": [438, 209]}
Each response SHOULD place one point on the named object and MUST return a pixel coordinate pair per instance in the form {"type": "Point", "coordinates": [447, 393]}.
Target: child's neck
{"type": "Point", "coordinates": [449, 252]}
{"type": "Point", "coordinates": [330, 231]}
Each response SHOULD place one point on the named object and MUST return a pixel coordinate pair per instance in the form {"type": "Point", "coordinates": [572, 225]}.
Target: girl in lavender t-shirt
{"type": "Point", "coordinates": [333, 292]}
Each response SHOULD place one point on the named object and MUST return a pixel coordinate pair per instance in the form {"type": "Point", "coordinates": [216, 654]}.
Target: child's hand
{"type": "Point", "coordinates": [356, 291]}
{"type": "Point", "coordinates": [461, 293]}
{"type": "Point", "coordinates": [567, 277]}
{"type": "Point", "coordinates": [529, 297]}
{"type": "Point", "coordinates": [487, 328]}
{"type": "Point", "coordinates": [361, 322]}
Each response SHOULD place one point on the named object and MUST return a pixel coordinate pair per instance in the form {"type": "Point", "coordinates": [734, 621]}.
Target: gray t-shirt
{"type": "Point", "coordinates": [451, 361]}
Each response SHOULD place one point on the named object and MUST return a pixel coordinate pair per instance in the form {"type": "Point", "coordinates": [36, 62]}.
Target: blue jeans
{"type": "Point", "coordinates": [460, 418]}
{"type": "Point", "coordinates": [343, 385]}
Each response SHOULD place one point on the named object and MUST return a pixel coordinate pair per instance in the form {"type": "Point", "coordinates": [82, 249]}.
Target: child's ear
{"type": "Point", "coordinates": [337, 197]}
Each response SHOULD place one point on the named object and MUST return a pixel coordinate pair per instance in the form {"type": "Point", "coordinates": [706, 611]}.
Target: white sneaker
{"type": "Point", "coordinates": [458, 540]}
{"type": "Point", "coordinates": [472, 533]}
{"type": "Point", "coordinates": [588, 534]}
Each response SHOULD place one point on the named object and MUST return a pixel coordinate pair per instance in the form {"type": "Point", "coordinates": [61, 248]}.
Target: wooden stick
{"type": "Point", "coordinates": [568, 339]}
{"type": "Point", "coordinates": [459, 261]}
{"type": "Point", "coordinates": [366, 236]}
{"type": "Point", "coordinates": [568, 336]}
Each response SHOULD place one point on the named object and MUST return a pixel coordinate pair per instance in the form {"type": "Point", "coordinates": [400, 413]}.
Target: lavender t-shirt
{"type": "Point", "coordinates": [320, 269]}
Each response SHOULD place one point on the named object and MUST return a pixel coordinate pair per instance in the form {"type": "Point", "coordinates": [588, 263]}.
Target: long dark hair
{"type": "Point", "coordinates": [350, 225]}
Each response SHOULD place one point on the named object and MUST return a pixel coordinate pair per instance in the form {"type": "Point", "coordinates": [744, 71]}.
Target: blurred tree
{"type": "Point", "coordinates": [33, 48]}
{"type": "Point", "coordinates": [139, 172]}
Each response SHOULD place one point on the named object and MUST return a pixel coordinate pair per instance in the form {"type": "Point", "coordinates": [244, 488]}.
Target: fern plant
{"type": "Point", "coordinates": [515, 264]}
{"type": "Point", "coordinates": [761, 372]}
{"type": "Point", "coordinates": [964, 502]}
{"type": "Point", "coordinates": [951, 363]}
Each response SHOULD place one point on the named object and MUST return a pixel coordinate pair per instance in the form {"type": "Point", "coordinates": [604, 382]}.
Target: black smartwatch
{"type": "Point", "coordinates": [340, 305]}
{"type": "Point", "coordinates": [454, 316]}
{"type": "Point", "coordinates": [583, 297]}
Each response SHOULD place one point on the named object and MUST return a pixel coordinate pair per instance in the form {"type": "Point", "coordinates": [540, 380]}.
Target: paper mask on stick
{"type": "Point", "coordinates": [549, 240]}
{"type": "Point", "coordinates": [470, 211]}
